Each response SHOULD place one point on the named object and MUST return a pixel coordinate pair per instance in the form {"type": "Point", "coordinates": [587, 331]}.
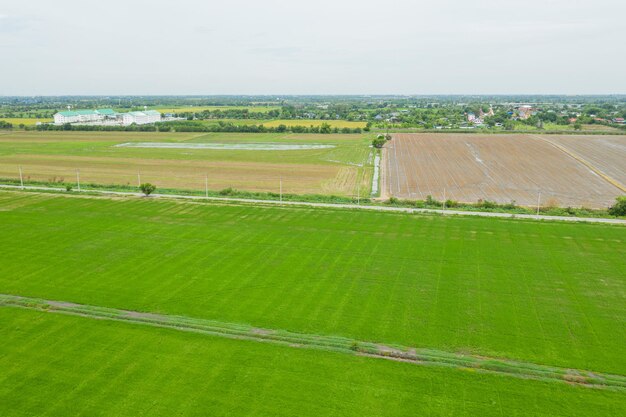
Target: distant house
{"type": "Point", "coordinates": [619, 120]}
{"type": "Point", "coordinates": [525, 112]}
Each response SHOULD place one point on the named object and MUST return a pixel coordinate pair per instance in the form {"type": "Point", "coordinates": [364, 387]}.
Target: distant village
{"type": "Point", "coordinates": [487, 118]}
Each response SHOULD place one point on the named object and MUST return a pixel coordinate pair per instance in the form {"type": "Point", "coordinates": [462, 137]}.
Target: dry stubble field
{"type": "Point", "coordinates": [55, 156]}
{"type": "Point", "coordinates": [506, 168]}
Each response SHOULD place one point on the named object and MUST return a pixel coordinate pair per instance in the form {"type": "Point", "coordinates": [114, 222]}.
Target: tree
{"type": "Point", "coordinates": [379, 142]}
{"type": "Point", "coordinates": [147, 188]}
{"type": "Point", "coordinates": [619, 208]}
{"type": "Point", "coordinates": [578, 125]}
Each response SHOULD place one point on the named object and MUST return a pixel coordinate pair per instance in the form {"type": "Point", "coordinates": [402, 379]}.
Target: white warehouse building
{"type": "Point", "coordinates": [141, 117]}
{"type": "Point", "coordinates": [107, 117]}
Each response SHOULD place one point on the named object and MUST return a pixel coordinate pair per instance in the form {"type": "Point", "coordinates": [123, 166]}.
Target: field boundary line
{"type": "Point", "coordinates": [586, 163]}
{"type": "Point", "coordinates": [251, 201]}
{"type": "Point", "coordinates": [432, 357]}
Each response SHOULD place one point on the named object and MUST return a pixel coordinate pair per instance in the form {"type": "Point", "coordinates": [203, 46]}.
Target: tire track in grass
{"type": "Point", "coordinates": [422, 356]}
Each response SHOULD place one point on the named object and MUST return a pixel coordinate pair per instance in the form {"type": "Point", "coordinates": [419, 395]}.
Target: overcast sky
{"type": "Point", "coordinates": [312, 47]}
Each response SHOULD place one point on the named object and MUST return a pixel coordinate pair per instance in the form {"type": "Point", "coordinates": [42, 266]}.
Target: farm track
{"type": "Point", "coordinates": [326, 205]}
{"type": "Point", "coordinates": [517, 369]}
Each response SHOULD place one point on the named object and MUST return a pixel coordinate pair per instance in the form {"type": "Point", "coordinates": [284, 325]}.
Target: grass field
{"type": "Point", "coordinates": [551, 127]}
{"type": "Point", "coordinates": [237, 122]}
{"type": "Point", "coordinates": [304, 122]}
{"type": "Point", "coordinates": [544, 293]}
{"type": "Point", "coordinates": [28, 121]}
{"type": "Point", "coordinates": [197, 109]}
{"type": "Point", "coordinates": [66, 366]}
{"type": "Point", "coordinates": [548, 293]}
{"type": "Point", "coordinates": [46, 156]}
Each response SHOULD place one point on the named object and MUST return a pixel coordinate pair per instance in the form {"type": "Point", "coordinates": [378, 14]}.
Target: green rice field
{"type": "Point", "coordinates": [544, 293]}
{"type": "Point", "coordinates": [68, 366]}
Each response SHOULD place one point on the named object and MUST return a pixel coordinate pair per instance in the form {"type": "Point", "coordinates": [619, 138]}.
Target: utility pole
{"type": "Point", "coordinates": [21, 178]}
{"type": "Point", "coordinates": [358, 195]}
{"type": "Point", "coordinates": [443, 204]}
{"type": "Point", "coordinates": [538, 202]}
{"type": "Point", "coordinates": [78, 179]}
{"type": "Point", "coordinates": [206, 185]}
{"type": "Point", "coordinates": [138, 179]}
{"type": "Point", "coordinates": [281, 188]}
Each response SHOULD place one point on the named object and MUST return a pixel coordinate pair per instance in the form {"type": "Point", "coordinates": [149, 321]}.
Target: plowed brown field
{"type": "Point", "coordinates": [606, 153]}
{"type": "Point", "coordinates": [506, 168]}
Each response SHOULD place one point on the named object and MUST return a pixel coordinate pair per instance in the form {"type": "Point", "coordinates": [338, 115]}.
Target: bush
{"type": "Point", "coordinates": [619, 208]}
{"type": "Point", "coordinates": [147, 188]}
{"type": "Point", "coordinates": [487, 204]}
{"type": "Point", "coordinates": [68, 188]}
{"type": "Point", "coordinates": [430, 201]}
{"type": "Point", "coordinates": [393, 200]}
{"type": "Point", "coordinates": [228, 191]}
{"type": "Point", "coordinates": [510, 206]}
{"type": "Point", "coordinates": [452, 203]}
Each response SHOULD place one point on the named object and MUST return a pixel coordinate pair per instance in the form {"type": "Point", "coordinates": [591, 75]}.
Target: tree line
{"type": "Point", "coordinates": [195, 126]}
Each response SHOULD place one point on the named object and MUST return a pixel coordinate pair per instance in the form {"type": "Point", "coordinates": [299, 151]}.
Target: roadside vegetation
{"type": "Point", "coordinates": [429, 203]}
{"type": "Point", "coordinates": [619, 208]}
{"type": "Point", "coordinates": [147, 188]}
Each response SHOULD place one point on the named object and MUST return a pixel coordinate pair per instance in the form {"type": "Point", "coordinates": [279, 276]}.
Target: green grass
{"type": "Point", "coordinates": [548, 293]}
{"type": "Point", "coordinates": [315, 122]}
{"type": "Point", "coordinates": [197, 109]}
{"type": "Point", "coordinates": [68, 366]}
{"type": "Point", "coordinates": [238, 122]}
{"type": "Point", "coordinates": [27, 121]}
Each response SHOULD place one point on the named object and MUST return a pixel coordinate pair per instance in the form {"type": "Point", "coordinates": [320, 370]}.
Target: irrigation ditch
{"type": "Point", "coordinates": [418, 356]}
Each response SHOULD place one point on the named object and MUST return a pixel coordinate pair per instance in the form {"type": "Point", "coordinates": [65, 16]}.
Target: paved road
{"type": "Point", "coordinates": [346, 206]}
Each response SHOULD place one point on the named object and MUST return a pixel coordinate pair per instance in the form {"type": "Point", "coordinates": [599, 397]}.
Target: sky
{"type": "Point", "coordinates": [205, 47]}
